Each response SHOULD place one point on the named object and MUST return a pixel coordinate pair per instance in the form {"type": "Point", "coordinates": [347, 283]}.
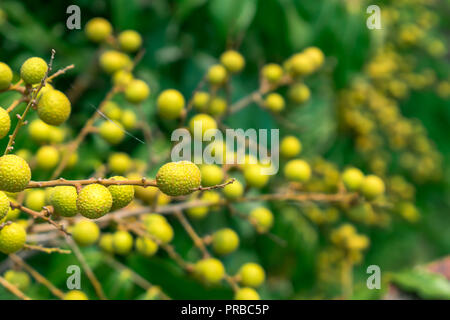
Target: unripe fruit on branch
{"type": "Point", "coordinates": [217, 106]}
{"type": "Point", "coordinates": [170, 104]}
{"type": "Point", "coordinates": [6, 76]}
{"type": "Point", "coordinates": [301, 64]}
{"type": "Point", "coordinates": [64, 200]}
{"type": "Point", "coordinates": [146, 246]}
{"type": "Point", "coordinates": [232, 60]}
{"type": "Point", "coordinates": [299, 93]}
{"type": "Point", "coordinates": [201, 211]}
{"type": "Point", "coordinates": [372, 187]}
{"type": "Point", "coordinates": [121, 195]}
{"type": "Point", "coordinates": [15, 174]}
{"type": "Point", "coordinates": [315, 55]}
{"type": "Point", "coordinates": [207, 122]}
{"type": "Point", "coordinates": [211, 175]}
{"type": "Point", "coordinates": [200, 101]}
{"type": "Point", "coordinates": [209, 271]}
{"type": "Point", "coordinates": [246, 294]}
{"type": "Point", "coordinates": [33, 70]}
{"type": "Point", "coordinates": [263, 218]}
{"type": "Point", "coordinates": [4, 205]}
{"type": "Point", "coordinates": [122, 242]}
{"type": "Point", "coordinates": [94, 201]}
{"type": "Point", "coordinates": [225, 241]}
{"type": "Point", "coordinates": [39, 131]}
{"type": "Point", "coordinates": [178, 178]}
{"type": "Point", "coordinates": [352, 178]}
{"type": "Point", "coordinates": [5, 123]}
{"type": "Point", "coordinates": [112, 110]}
{"type": "Point", "coordinates": [290, 147]}
{"type": "Point", "coordinates": [160, 229]}
{"type": "Point", "coordinates": [98, 29]}
{"type": "Point", "coordinates": [254, 175]}
{"type": "Point", "coordinates": [106, 242]}
{"type": "Point", "coordinates": [274, 102]}
{"type": "Point", "coordinates": [75, 295]}
{"type": "Point", "coordinates": [12, 238]}
{"type": "Point", "coordinates": [217, 74]}
{"type": "Point", "coordinates": [112, 61]}
{"type": "Point", "coordinates": [47, 157]}
{"type": "Point", "coordinates": [252, 275]}
{"type": "Point", "coordinates": [54, 107]}
{"type": "Point", "coordinates": [130, 40]}
{"type": "Point", "coordinates": [129, 120]}
{"type": "Point", "coordinates": [122, 78]}
{"type": "Point", "coordinates": [297, 170]}
{"type": "Point", "coordinates": [233, 190]}
{"type": "Point", "coordinates": [112, 132]}
{"type": "Point", "coordinates": [119, 162]}
{"type": "Point", "coordinates": [137, 91]}
{"type": "Point", "coordinates": [85, 232]}
{"type": "Point", "coordinates": [20, 279]}
{"type": "Point", "coordinates": [35, 199]}
{"type": "Point", "coordinates": [272, 72]}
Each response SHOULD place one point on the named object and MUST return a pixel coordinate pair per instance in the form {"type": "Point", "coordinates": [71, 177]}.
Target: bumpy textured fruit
{"type": "Point", "coordinates": [272, 72]}
{"type": "Point", "coordinates": [246, 294]}
{"type": "Point", "coordinates": [18, 278]}
{"type": "Point", "coordinates": [121, 195]}
{"type": "Point", "coordinates": [225, 241]}
{"type": "Point", "coordinates": [85, 232]}
{"type": "Point", "coordinates": [290, 147]}
{"type": "Point", "coordinates": [200, 101]}
{"type": "Point", "coordinates": [12, 238]}
{"type": "Point", "coordinates": [299, 93]}
{"type": "Point", "coordinates": [6, 76]}
{"type": "Point", "coordinates": [98, 29]}
{"type": "Point", "coordinates": [12, 215]}
{"type": "Point", "coordinates": [75, 295]}
{"type": "Point", "coordinates": [233, 190]}
{"type": "Point", "coordinates": [353, 179]}
{"type": "Point", "coordinates": [274, 102]}
{"type": "Point", "coordinates": [39, 131]}
{"type": "Point", "coordinates": [120, 162]}
{"type": "Point", "coordinates": [33, 70]}
{"type": "Point", "coordinates": [94, 201]}
{"type": "Point", "coordinates": [15, 174]}
{"type": "Point", "coordinates": [122, 242]}
{"type": "Point", "coordinates": [211, 175]}
{"type": "Point", "coordinates": [170, 104]}
{"type": "Point", "coordinates": [47, 157]}
{"type": "Point", "coordinates": [137, 91]}
{"type": "Point", "coordinates": [112, 61]}
{"type": "Point", "coordinates": [203, 121]}
{"type": "Point", "coordinates": [252, 275]}
{"type": "Point", "coordinates": [54, 107]}
{"type": "Point", "coordinates": [130, 40]}
{"type": "Point", "coordinates": [64, 200]}
{"type": "Point", "coordinates": [297, 170]}
{"type": "Point", "coordinates": [217, 106]}
{"type": "Point", "coordinates": [112, 132]}
{"type": "Point", "coordinates": [263, 218]}
{"type": "Point", "coordinates": [254, 175]}
{"type": "Point", "coordinates": [106, 242]}
{"type": "Point", "coordinates": [210, 271]}
{"type": "Point", "coordinates": [4, 205]}
{"type": "Point", "coordinates": [160, 229]}
{"type": "Point", "coordinates": [5, 123]}
{"type": "Point", "coordinates": [372, 187]}
{"type": "Point", "coordinates": [178, 178]}
{"type": "Point", "coordinates": [146, 246]}
{"type": "Point", "coordinates": [232, 60]}
{"type": "Point", "coordinates": [35, 199]}
{"type": "Point", "coordinates": [217, 74]}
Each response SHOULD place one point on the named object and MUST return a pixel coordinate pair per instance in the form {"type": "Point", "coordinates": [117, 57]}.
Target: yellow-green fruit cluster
{"type": "Point", "coordinates": [290, 147]}
{"type": "Point", "coordinates": [5, 123]}
{"type": "Point", "coordinates": [137, 91]}
{"type": "Point", "coordinates": [94, 201]}
{"type": "Point", "coordinates": [12, 238]}
{"type": "Point", "coordinates": [209, 271]}
{"type": "Point", "coordinates": [47, 157]}
{"type": "Point", "coordinates": [130, 40]}
{"type": "Point", "coordinates": [64, 200]}
{"type": "Point", "coordinates": [159, 227]}
{"type": "Point", "coordinates": [112, 132]}
{"type": "Point", "coordinates": [146, 246]}
{"type": "Point", "coordinates": [211, 175]}
{"type": "Point", "coordinates": [254, 175]}
{"type": "Point", "coordinates": [170, 104]}
{"type": "Point", "coordinates": [217, 74]}
{"type": "Point", "coordinates": [86, 233]}
{"type": "Point", "coordinates": [353, 179]}
{"type": "Point", "coordinates": [297, 170]}
{"type": "Point", "coordinates": [232, 60]}
{"type": "Point", "coordinates": [272, 72]}
{"type": "Point", "coordinates": [33, 70]}
{"type": "Point", "coordinates": [54, 107]}
{"type": "Point", "coordinates": [203, 121]}
{"type": "Point", "coordinates": [35, 199]}
{"type": "Point", "coordinates": [15, 174]}
{"type": "Point", "coordinates": [372, 187]}
{"type": "Point", "coordinates": [120, 162]}
{"type": "Point", "coordinates": [252, 275]}
{"type": "Point", "coordinates": [263, 218]}
{"type": "Point", "coordinates": [233, 190]}
{"type": "Point", "coordinates": [122, 242]}
{"type": "Point", "coordinates": [274, 102]}
{"type": "Point", "coordinates": [98, 29]}
{"type": "Point", "coordinates": [225, 241]}
{"type": "Point", "coordinates": [6, 76]}
{"type": "Point", "coordinates": [122, 195]}
{"type": "Point", "coordinates": [178, 178]}
{"type": "Point", "coordinates": [112, 61]}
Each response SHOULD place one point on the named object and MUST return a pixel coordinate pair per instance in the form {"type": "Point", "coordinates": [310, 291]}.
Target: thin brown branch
{"type": "Point", "coordinates": [46, 250]}
{"type": "Point", "coordinates": [106, 182]}
{"type": "Point", "coordinates": [198, 242]}
{"type": "Point", "coordinates": [13, 289]}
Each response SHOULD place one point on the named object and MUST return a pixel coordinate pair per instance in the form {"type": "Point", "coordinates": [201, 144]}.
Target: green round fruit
{"type": "Point", "coordinates": [161, 230]}
{"type": "Point", "coordinates": [211, 175]}
{"type": "Point", "coordinates": [75, 295]}
{"type": "Point", "coordinates": [129, 120]}
{"type": "Point", "coordinates": [297, 170]}
{"type": "Point", "coordinates": [35, 199]}
{"type": "Point", "coordinates": [122, 195]}
{"type": "Point", "coordinates": [137, 91]}
{"type": "Point", "coordinates": [4, 205]}
{"type": "Point", "coordinates": [217, 106]}
{"type": "Point", "coordinates": [98, 29]}
{"type": "Point", "coordinates": [252, 275]}
{"type": "Point", "coordinates": [246, 294]}
{"type": "Point", "coordinates": [47, 157]}
{"type": "Point", "coordinates": [39, 131]}
{"type": "Point", "coordinates": [6, 76]}
{"type": "Point", "coordinates": [146, 246]}
{"type": "Point", "coordinates": [106, 242]}
{"type": "Point", "coordinates": [225, 241]}
{"type": "Point", "coordinates": [85, 232]}
{"type": "Point", "coordinates": [205, 121]}
{"type": "Point", "coordinates": [178, 178]}
{"type": "Point", "coordinates": [15, 174]}
{"type": "Point", "coordinates": [274, 102]}
{"type": "Point", "coordinates": [217, 74]}
{"type": "Point", "coordinates": [18, 278]}
{"type": "Point", "coordinates": [372, 186]}
{"type": "Point", "coordinates": [112, 61]}
{"type": "Point", "coordinates": [232, 60]}
{"type": "Point", "coordinates": [254, 176]}
{"type": "Point", "coordinates": [94, 201]}
{"type": "Point", "coordinates": [200, 101]}
{"type": "Point", "coordinates": [130, 40]}
{"type": "Point", "coordinates": [64, 201]}
{"type": "Point", "coordinates": [233, 190]}
{"type": "Point", "coordinates": [122, 242]}
{"type": "Point", "coordinates": [120, 162]}
{"type": "Point", "coordinates": [209, 271]}
{"type": "Point", "coordinates": [112, 132]}
{"type": "Point", "coordinates": [353, 179]}
{"type": "Point", "coordinates": [299, 93]}
{"type": "Point", "coordinates": [54, 107]}
{"type": "Point", "coordinates": [290, 147]}
{"type": "Point", "coordinates": [170, 104]}
{"type": "Point", "coordinates": [272, 72]}
{"type": "Point", "coordinates": [12, 238]}
{"type": "Point", "coordinates": [33, 70]}
{"type": "Point", "coordinates": [263, 218]}
{"type": "Point", "coordinates": [5, 123]}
